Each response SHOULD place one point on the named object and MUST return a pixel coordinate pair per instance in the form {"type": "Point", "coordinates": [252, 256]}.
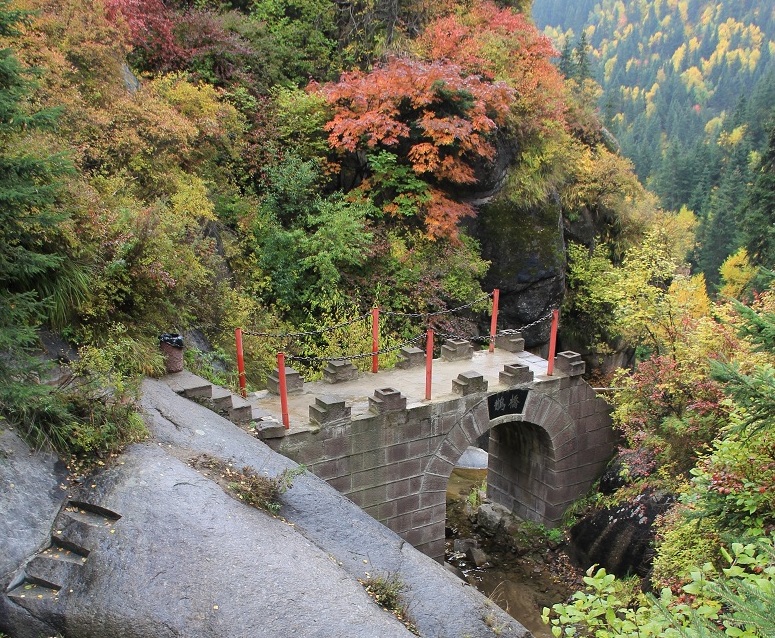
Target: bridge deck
{"type": "Point", "coordinates": [410, 382]}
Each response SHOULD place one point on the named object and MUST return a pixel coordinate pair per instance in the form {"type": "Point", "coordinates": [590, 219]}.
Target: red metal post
{"type": "Point", "coordinates": [240, 363]}
{"type": "Point", "coordinates": [283, 389]}
{"type": "Point", "coordinates": [494, 321]}
{"type": "Point", "coordinates": [428, 365]}
{"type": "Point", "coordinates": [375, 340]}
{"type": "Point", "coordinates": [553, 342]}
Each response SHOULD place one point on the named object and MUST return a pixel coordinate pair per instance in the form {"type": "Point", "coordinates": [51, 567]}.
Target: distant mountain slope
{"type": "Point", "coordinates": [679, 62]}
{"type": "Point", "coordinates": [688, 89]}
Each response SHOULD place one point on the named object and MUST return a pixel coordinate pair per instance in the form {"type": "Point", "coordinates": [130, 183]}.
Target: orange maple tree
{"type": "Point", "coordinates": [431, 115]}
{"type": "Point", "coordinates": [501, 44]}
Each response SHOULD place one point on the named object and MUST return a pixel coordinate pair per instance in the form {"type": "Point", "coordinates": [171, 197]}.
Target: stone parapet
{"type": "Point", "coordinates": [569, 363]}
{"type": "Point", "coordinates": [457, 350]}
{"type": "Point", "coordinates": [469, 382]}
{"type": "Point", "coordinates": [510, 342]}
{"type": "Point", "coordinates": [339, 370]}
{"type": "Point", "coordinates": [411, 357]}
{"type": "Point", "coordinates": [294, 383]}
{"type": "Point", "coordinates": [327, 409]}
{"type": "Point", "coordinates": [387, 400]}
{"type": "Point", "coordinates": [515, 374]}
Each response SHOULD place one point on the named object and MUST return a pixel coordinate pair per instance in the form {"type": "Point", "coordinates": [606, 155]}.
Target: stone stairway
{"type": "Point", "coordinates": [243, 412]}
{"type": "Point", "coordinates": [77, 527]}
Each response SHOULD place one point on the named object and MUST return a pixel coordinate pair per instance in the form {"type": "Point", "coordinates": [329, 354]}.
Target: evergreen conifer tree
{"type": "Point", "coordinates": [758, 212]}
{"type": "Point", "coordinates": [28, 221]}
{"type": "Point", "coordinates": [582, 69]}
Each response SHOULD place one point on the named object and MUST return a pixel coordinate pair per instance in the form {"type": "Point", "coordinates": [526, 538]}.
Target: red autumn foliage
{"type": "Point", "coordinates": [435, 118]}
{"type": "Point", "coordinates": [152, 28]}
{"type": "Point", "coordinates": [504, 45]}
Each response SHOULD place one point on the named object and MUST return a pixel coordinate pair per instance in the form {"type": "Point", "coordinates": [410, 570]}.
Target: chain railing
{"type": "Point", "coordinates": [306, 333]}
{"type": "Point", "coordinates": [429, 335]}
{"type": "Point", "coordinates": [355, 357]}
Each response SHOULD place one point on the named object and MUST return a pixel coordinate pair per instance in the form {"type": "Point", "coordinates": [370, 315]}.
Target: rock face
{"type": "Point", "coordinates": [619, 538]}
{"type": "Point", "coordinates": [30, 496]}
{"type": "Point", "coordinates": [168, 555]}
{"type": "Point", "coordinates": [152, 547]}
{"type": "Point", "coordinates": [526, 249]}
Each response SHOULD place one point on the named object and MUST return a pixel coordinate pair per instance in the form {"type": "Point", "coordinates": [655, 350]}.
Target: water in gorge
{"type": "Point", "coordinates": [521, 582]}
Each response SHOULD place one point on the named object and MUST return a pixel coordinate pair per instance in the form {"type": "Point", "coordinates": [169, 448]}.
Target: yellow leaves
{"type": "Point", "coordinates": [196, 101]}
{"type": "Point", "coordinates": [683, 10]}
{"type": "Point", "coordinates": [714, 125]}
{"type": "Point", "coordinates": [678, 58]}
{"type": "Point", "coordinates": [651, 94]}
{"type": "Point", "coordinates": [201, 104]}
{"type": "Point", "coordinates": [676, 232]}
{"type": "Point", "coordinates": [689, 297]}
{"type": "Point", "coordinates": [694, 81]}
{"type": "Point", "coordinates": [736, 273]}
{"type": "Point", "coordinates": [609, 67]}
{"type": "Point", "coordinates": [732, 139]}
{"type": "Point", "coordinates": [190, 202]}
{"type": "Point", "coordinates": [601, 180]}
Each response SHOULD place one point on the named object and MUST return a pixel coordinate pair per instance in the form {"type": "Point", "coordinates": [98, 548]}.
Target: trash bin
{"type": "Point", "coordinates": [171, 345]}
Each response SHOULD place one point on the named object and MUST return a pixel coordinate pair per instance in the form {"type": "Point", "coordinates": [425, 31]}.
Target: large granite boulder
{"type": "Point", "coordinates": [152, 547]}
{"type": "Point", "coordinates": [620, 538]}
{"type": "Point", "coordinates": [156, 549]}
{"type": "Point", "coordinates": [32, 490]}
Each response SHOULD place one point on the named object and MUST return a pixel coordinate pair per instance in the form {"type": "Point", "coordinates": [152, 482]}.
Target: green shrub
{"type": "Point", "coordinates": [738, 602]}
{"type": "Point", "coordinates": [92, 412]}
{"type": "Point", "coordinates": [387, 592]}
{"type": "Point", "coordinates": [683, 542]}
{"type": "Point", "coordinates": [250, 487]}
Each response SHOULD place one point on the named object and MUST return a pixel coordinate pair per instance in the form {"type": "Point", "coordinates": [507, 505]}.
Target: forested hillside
{"type": "Point", "coordinates": [688, 91]}
{"type": "Point", "coordinates": [273, 165]}
{"type": "Point", "coordinates": [280, 165]}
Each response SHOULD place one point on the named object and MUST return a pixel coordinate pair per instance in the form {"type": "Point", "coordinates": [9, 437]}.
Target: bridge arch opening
{"type": "Point", "coordinates": [526, 434]}
{"type": "Point", "coordinates": [519, 456]}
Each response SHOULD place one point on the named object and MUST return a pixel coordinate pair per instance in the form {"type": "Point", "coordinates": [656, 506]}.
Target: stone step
{"type": "Point", "coordinates": [50, 571]}
{"type": "Point", "coordinates": [241, 411]}
{"type": "Point", "coordinates": [30, 593]}
{"type": "Point", "coordinates": [62, 550]}
{"type": "Point", "coordinates": [221, 398]}
{"type": "Point", "coordinates": [91, 514]}
{"type": "Point", "coordinates": [203, 390]}
{"type": "Point", "coordinates": [232, 406]}
{"type": "Point", "coordinates": [76, 524]}
{"type": "Point", "coordinates": [188, 384]}
{"type": "Point", "coordinates": [258, 413]}
{"type": "Point", "coordinates": [268, 428]}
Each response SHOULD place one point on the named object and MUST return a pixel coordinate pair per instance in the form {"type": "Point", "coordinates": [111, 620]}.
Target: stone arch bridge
{"type": "Point", "coordinates": [377, 440]}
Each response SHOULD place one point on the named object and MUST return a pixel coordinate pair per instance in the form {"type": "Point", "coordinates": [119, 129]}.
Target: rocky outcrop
{"type": "Point", "coordinates": [153, 547]}
{"type": "Point", "coordinates": [526, 248]}
{"type": "Point", "coordinates": [160, 551]}
{"type": "Point", "coordinates": [620, 538]}
{"type": "Point", "coordinates": [32, 490]}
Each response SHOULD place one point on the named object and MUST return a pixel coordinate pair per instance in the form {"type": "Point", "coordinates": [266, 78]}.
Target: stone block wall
{"type": "Point", "coordinates": [395, 462]}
